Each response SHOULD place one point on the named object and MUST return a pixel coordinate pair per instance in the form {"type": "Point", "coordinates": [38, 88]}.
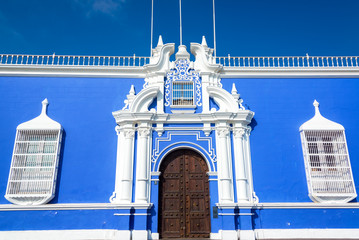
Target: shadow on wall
{"type": "Point", "coordinates": [59, 169]}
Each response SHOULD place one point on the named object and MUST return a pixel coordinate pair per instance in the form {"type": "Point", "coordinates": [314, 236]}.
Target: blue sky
{"type": "Point", "coordinates": [122, 27]}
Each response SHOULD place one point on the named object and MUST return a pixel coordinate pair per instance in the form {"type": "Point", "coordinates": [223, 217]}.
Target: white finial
{"type": "Point", "coordinates": [316, 106]}
{"type": "Point", "coordinates": [132, 90]}
{"type": "Point", "coordinates": [234, 89]}
{"type": "Point", "coordinates": [44, 106]}
{"type": "Point", "coordinates": [204, 42]}
{"type": "Point", "coordinates": [160, 42]}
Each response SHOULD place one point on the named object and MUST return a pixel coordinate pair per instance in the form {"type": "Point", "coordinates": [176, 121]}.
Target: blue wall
{"type": "Point", "coordinates": [281, 106]}
{"type": "Point", "coordinates": [83, 106]}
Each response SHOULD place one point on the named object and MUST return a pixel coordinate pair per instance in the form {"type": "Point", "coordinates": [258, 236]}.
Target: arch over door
{"type": "Point", "coordinates": [184, 210]}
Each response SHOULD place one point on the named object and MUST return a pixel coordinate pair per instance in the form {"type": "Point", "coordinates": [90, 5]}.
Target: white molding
{"type": "Point", "coordinates": [246, 235]}
{"type": "Point", "coordinates": [143, 99]}
{"type": "Point", "coordinates": [307, 233]}
{"type": "Point", "coordinates": [155, 236]}
{"type": "Point", "coordinates": [72, 71]}
{"type": "Point", "coordinates": [215, 235]}
{"type": "Point", "coordinates": [228, 72]}
{"type": "Point", "coordinates": [210, 151]}
{"type": "Point", "coordinates": [93, 234]}
{"type": "Point", "coordinates": [139, 235]}
{"type": "Point", "coordinates": [74, 206]}
{"type": "Point", "coordinates": [292, 205]}
{"type": "Point", "coordinates": [229, 234]}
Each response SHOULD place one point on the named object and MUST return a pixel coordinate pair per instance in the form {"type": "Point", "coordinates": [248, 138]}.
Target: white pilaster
{"type": "Point", "coordinates": [142, 164]}
{"type": "Point", "coordinates": [124, 165]}
{"type": "Point", "coordinates": [240, 165]}
{"type": "Point", "coordinates": [248, 161]}
{"type": "Point", "coordinates": [225, 180]}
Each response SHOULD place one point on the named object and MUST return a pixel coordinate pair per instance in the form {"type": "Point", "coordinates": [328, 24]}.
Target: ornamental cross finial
{"type": "Point", "coordinates": [45, 102]}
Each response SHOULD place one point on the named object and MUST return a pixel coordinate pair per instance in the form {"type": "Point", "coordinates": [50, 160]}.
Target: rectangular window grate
{"type": "Point", "coordinates": [34, 164]}
{"type": "Point", "coordinates": [327, 163]}
{"type": "Point", "coordinates": [182, 93]}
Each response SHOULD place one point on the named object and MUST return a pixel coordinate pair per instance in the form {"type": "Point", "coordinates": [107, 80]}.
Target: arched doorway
{"type": "Point", "coordinates": [184, 210]}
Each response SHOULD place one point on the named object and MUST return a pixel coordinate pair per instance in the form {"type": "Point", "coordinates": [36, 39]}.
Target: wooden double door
{"type": "Point", "coordinates": [184, 203]}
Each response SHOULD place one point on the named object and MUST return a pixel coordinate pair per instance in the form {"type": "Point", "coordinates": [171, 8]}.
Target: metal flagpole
{"type": "Point", "coordinates": [180, 9]}
{"type": "Point", "coordinates": [151, 29]}
{"type": "Point", "coordinates": [214, 30]}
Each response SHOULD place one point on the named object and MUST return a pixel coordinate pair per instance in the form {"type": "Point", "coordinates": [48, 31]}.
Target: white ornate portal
{"type": "Point", "coordinates": [182, 91]}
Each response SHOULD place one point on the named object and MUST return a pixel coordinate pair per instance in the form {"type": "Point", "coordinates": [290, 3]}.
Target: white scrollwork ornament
{"type": "Point", "coordinates": [144, 132]}
{"type": "Point", "coordinates": [223, 132]}
{"type": "Point", "coordinates": [183, 72]}
{"type": "Point", "coordinates": [128, 133]}
{"type": "Point", "coordinates": [239, 132]}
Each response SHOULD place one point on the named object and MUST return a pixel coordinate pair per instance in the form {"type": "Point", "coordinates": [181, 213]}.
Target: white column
{"type": "Point", "coordinates": [224, 165]}
{"type": "Point", "coordinates": [124, 165]}
{"type": "Point", "coordinates": [240, 165]}
{"type": "Point", "coordinates": [115, 196]}
{"type": "Point", "coordinates": [248, 161]}
{"type": "Point", "coordinates": [142, 163]}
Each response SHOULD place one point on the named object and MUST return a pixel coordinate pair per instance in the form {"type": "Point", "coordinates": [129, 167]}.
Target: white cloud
{"type": "Point", "coordinates": [107, 7]}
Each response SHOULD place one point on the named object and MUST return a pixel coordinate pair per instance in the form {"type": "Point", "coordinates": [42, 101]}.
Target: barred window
{"type": "Point", "coordinates": [33, 171]}
{"type": "Point", "coordinates": [326, 158]}
{"type": "Point", "coordinates": [182, 93]}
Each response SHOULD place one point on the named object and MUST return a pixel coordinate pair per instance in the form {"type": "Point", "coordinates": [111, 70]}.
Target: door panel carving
{"type": "Point", "coordinates": [184, 196]}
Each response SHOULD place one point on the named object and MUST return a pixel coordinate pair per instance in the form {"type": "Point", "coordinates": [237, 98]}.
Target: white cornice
{"type": "Point", "coordinates": [240, 116]}
{"type": "Point", "coordinates": [74, 206]}
{"type": "Point", "coordinates": [292, 205]}
{"type": "Point", "coordinates": [72, 71]}
{"type": "Point", "coordinates": [237, 72]}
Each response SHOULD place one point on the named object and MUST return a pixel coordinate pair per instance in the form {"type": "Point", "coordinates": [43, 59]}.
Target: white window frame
{"type": "Point", "coordinates": [185, 98]}
{"type": "Point", "coordinates": [34, 164]}
{"type": "Point", "coordinates": [326, 158]}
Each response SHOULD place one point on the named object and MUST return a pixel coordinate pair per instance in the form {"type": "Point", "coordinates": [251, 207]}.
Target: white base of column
{"type": "Point", "coordinates": [307, 233]}
{"type": "Point", "coordinates": [155, 236]}
{"type": "Point", "coordinates": [229, 234]}
{"type": "Point", "coordinates": [98, 234]}
{"type": "Point", "coordinates": [246, 235]}
{"type": "Point", "coordinates": [215, 236]}
{"type": "Point", "coordinates": [139, 235]}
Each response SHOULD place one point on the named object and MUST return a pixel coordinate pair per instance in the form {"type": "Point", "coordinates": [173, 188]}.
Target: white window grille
{"type": "Point", "coordinates": [182, 93]}
{"type": "Point", "coordinates": [33, 171]}
{"type": "Point", "coordinates": [326, 158]}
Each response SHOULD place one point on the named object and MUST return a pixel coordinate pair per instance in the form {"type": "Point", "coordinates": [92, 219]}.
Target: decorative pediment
{"type": "Point", "coordinates": [183, 85]}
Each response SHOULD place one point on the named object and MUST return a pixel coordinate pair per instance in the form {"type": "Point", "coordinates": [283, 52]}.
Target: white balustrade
{"type": "Point", "coordinates": [229, 61]}
{"type": "Point", "coordinates": [289, 62]}
{"type": "Point", "coordinates": [70, 60]}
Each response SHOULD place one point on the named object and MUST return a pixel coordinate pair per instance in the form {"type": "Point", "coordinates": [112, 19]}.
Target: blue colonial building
{"type": "Point", "coordinates": [164, 147]}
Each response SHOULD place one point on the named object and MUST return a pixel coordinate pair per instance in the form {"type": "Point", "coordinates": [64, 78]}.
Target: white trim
{"type": "Point", "coordinates": [215, 235]}
{"type": "Point", "coordinates": [155, 236]}
{"type": "Point", "coordinates": [229, 234]}
{"type": "Point", "coordinates": [71, 71]}
{"type": "Point", "coordinates": [288, 73]}
{"type": "Point", "coordinates": [93, 234]}
{"type": "Point", "coordinates": [235, 214]}
{"type": "Point", "coordinates": [292, 205]}
{"type": "Point", "coordinates": [74, 206]}
{"type": "Point", "coordinates": [246, 234]}
{"type": "Point", "coordinates": [306, 233]}
{"type": "Point", "coordinates": [132, 214]}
